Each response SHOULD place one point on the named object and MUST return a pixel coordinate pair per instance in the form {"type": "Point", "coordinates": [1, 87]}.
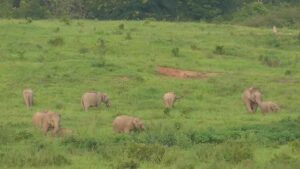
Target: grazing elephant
{"type": "Point", "coordinates": [268, 106]}
{"type": "Point", "coordinates": [251, 97]}
{"type": "Point", "coordinates": [126, 124]}
{"type": "Point", "coordinates": [48, 121]}
{"type": "Point", "coordinates": [94, 99]}
{"type": "Point", "coordinates": [28, 97]}
{"type": "Point", "coordinates": [169, 99]}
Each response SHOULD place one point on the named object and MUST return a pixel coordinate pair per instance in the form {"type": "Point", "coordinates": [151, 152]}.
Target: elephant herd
{"type": "Point", "coordinates": [49, 121]}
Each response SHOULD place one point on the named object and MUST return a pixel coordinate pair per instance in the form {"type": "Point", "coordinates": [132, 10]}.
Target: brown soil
{"type": "Point", "coordinates": [185, 74]}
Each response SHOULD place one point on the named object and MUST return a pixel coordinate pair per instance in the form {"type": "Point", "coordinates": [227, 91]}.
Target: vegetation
{"type": "Point", "coordinates": [250, 12]}
{"type": "Point", "coordinates": [209, 126]}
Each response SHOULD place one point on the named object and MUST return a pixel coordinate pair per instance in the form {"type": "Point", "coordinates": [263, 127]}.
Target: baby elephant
{"type": "Point", "coordinates": [268, 106]}
{"type": "Point", "coordinates": [48, 121]}
{"type": "Point", "coordinates": [94, 99]}
{"type": "Point", "coordinates": [169, 99]}
{"type": "Point", "coordinates": [28, 97]}
{"type": "Point", "coordinates": [126, 124]}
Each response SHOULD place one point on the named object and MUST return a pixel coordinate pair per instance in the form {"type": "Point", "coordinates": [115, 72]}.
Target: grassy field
{"type": "Point", "coordinates": [209, 128]}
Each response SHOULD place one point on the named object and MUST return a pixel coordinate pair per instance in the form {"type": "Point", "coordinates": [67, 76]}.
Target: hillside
{"type": "Point", "coordinates": [208, 128]}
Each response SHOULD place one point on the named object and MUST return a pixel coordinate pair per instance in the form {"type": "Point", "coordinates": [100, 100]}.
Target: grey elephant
{"type": "Point", "coordinates": [126, 124]}
{"type": "Point", "coordinates": [268, 106]}
{"type": "Point", "coordinates": [48, 121]}
{"type": "Point", "coordinates": [28, 97]}
{"type": "Point", "coordinates": [94, 99]}
{"type": "Point", "coordinates": [169, 99]}
{"type": "Point", "coordinates": [251, 97]}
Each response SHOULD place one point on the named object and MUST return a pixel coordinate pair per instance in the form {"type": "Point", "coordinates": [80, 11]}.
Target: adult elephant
{"type": "Point", "coordinates": [94, 99]}
{"type": "Point", "coordinates": [48, 121]}
{"type": "Point", "coordinates": [251, 97]}
{"type": "Point", "coordinates": [28, 97]}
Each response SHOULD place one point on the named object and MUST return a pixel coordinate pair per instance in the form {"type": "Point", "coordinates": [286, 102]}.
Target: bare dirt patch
{"type": "Point", "coordinates": [184, 74]}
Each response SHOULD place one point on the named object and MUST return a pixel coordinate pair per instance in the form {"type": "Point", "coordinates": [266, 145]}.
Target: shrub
{"type": "Point", "coordinates": [236, 151]}
{"type": "Point", "coordinates": [127, 164]}
{"type": "Point", "coordinates": [270, 61]}
{"type": "Point", "coordinates": [83, 50]}
{"type": "Point", "coordinates": [57, 29]}
{"type": "Point", "coordinates": [121, 26]}
{"type": "Point", "coordinates": [28, 20]}
{"type": "Point", "coordinates": [219, 50]}
{"type": "Point", "coordinates": [128, 36]}
{"type": "Point", "coordinates": [288, 72]}
{"type": "Point", "coordinates": [89, 144]}
{"type": "Point", "coordinates": [57, 41]}
{"type": "Point", "coordinates": [66, 20]}
{"type": "Point", "coordinates": [194, 47]}
{"type": "Point", "coordinates": [149, 152]}
{"type": "Point", "coordinates": [175, 52]}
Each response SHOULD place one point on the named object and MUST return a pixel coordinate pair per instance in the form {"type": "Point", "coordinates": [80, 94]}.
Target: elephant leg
{"type": "Point", "coordinates": [248, 106]}
{"type": "Point", "coordinates": [45, 127]}
{"type": "Point", "coordinates": [254, 106]}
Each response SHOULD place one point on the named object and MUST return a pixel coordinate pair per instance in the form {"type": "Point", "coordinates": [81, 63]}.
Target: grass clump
{"type": "Point", "coordinates": [219, 50]}
{"type": "Point", "coordinates": [175, 52]}
{"type": "Point", "coordinates": [57, 41]}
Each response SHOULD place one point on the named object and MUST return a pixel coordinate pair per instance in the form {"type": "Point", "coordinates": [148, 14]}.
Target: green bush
{"type": "Point", "coordinates": [175, 52]}
{"type": "Point", "coordinates": [146, 152]}
{"type": "Point", "coordinates": [57, 41]}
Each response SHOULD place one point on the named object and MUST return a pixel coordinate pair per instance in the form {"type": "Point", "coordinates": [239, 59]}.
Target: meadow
{"type": "Point", "coordinates": [208, 128]}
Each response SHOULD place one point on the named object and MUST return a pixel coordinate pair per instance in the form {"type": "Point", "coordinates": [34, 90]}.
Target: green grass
{"type": "Point", "coordinates": [208, 128]}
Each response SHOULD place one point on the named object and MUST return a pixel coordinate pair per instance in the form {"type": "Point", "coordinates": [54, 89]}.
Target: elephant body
{"type": "Point", "coordinates": [169, 99]}
{"type": "Point", "coordinates": [94, 99]}
{"type": "Point", "coordinates": [48, 121]}
{"type": "Point", "coordinates": [251, 97]}
{"type": "Point", "coordinates": [28, 97]}
{"type": "Point", "coordinates": [268, 106]}
{"type": "Point", "coordinates": [126, 124]}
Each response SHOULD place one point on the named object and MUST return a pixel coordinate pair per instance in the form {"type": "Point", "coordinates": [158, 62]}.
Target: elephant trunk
{"type": "Point", "coordinates": [56, 127]}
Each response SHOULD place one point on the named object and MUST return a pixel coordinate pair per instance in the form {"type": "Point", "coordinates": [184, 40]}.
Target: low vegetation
{"type": "Point", "coordinates": [208, 127]}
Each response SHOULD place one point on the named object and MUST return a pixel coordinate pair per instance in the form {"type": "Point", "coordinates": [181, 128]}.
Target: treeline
{"type": "Point", "coordinates": [126, 9]}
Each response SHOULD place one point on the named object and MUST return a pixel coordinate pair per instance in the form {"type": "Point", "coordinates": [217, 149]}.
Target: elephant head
{"type": "Point", "coordinates": [138, 124]}
{"type": "Point", "coordinates": [103, 97]}
{"type": "Point", "coordinates": [256, 96]}
{"type": "Point", "coordinates": [53, 120]}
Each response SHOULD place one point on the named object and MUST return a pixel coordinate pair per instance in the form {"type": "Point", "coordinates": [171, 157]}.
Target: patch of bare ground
{"type": "Point", "coordinates": [185, 74]}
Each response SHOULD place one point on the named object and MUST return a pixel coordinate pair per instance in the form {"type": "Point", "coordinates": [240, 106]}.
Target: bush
{"type": "Point", "coordinates": [128, 36]}
{"type": "Point", "coordinates": [175, 52]}
{"type": "Point", "coordinates": [57, 41]}
{"type": "Point", "coordinates": [121, 26]}
{"type": "Point", "coordinates": [237, 151]}
{"type": "Point", "coordinates": [89, 144]}
{"type": "Point", "coordinates": [127, 164]}
{"type": "Point", "coordinates": [270, 61]}
{"type": "Point", "coordinates": [219, 50]}
{"type": "Point", "coordinates": [149, 152]}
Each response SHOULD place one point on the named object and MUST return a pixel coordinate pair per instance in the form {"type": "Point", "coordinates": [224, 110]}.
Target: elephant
{"type": "Point", "coordinates": [94, 99]}
{"type": "Point", "coordinates": [268, 106]}
{"type": "Point", "coordinates": [126, 124]}
{"type": "Point", "coordinates": [251, 97]}
{"type": "Point", "coordinates": [48, 121]}
{"type": "Point", "coordinates": [28, 97]}
{"type": "Point", "coordinates": [169, 99]}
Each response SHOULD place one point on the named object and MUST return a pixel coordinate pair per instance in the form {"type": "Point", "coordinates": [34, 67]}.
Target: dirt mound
{"type": "Point", "coordinates": [185, 74]}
